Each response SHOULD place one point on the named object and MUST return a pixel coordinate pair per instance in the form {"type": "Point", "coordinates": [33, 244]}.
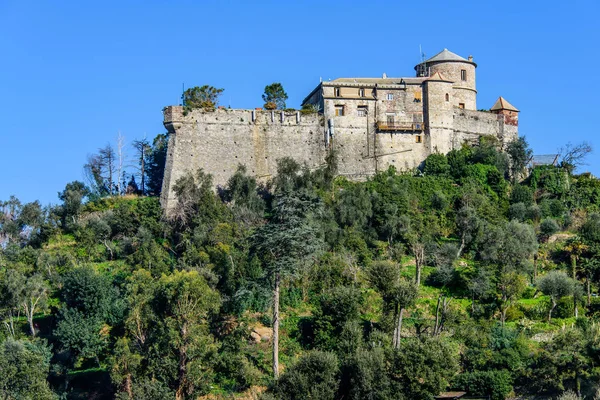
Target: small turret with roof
{"type": "Point", "coordinates": [510, 112]}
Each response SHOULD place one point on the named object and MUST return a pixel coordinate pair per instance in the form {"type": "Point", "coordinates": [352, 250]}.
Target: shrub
{"type": "Point", "coordinates": [521, 194]}
{"type": "Point", "coordinates": [548, 227]}
{"type": "Point", "coordinates": [436, 164]}
{"type": "Point", "coordinates": [496, 384]}
{"type": "Point", "coordinates": [314, 376]}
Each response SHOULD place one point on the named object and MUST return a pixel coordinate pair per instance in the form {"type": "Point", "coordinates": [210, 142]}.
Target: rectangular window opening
{"type": "Point", "coordinates": [463, 74]}
{"type": "Point", "coordinates": [461, 105]}
{"type": "Point", "coordinates": [390, 96]}
{"type": "Point", "coordinates": [336, 92]}
{"type": "Point", "coordinates": [418, 139]}
{"type": "Point", "coordinates": [339, 111]}
{"type": "Point", "coordinates": [390, 119]}
{"type": "Point", "coordinates": [361, 92]}
{"type": "Point", "coordinates": [418, 96]}
{"type": "Point", "coordinates": [362, 111]}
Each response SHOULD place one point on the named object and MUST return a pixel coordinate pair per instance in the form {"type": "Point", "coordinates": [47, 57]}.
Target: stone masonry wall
{"type": "Point", "coordinates": [219, 141]}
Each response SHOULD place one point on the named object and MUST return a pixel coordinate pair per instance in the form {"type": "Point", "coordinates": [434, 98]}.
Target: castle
{"type": "Point", "coordinates": [372, 124]}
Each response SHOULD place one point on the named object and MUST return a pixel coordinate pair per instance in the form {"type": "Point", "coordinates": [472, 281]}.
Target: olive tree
{"type": "Point", "coordinates": [557, 285]}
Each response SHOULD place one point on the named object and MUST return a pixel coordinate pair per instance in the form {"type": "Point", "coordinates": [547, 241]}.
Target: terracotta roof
{"type": "Point", "coordinates": [502, 104]}
{"type": "Point", "coordinates": [438, 77]}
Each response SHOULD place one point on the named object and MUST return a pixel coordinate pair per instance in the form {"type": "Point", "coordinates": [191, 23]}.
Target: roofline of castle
{"type": "Point", "coordinates": [445, 61]}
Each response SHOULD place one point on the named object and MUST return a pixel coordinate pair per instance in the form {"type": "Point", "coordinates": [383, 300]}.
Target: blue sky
{"type": "Point", "coordinates": [75, 73]}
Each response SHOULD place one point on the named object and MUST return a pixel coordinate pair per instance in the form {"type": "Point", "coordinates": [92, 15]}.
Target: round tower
{"type": "Point", "coordinates": [459, 70]}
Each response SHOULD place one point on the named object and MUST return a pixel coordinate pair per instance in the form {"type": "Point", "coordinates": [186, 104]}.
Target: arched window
{"type": "Point", "coordinates": [447, 97]}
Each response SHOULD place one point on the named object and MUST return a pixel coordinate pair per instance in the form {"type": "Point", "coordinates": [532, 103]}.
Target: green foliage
{"type": "Point", "coordinates": [136, 305]}
{"type": "Point", "coordinates": [521, 194]}
{"type": "Point", "coordinates": [422, 369]}
{"type": "Point", "coordinates": [548, 227]}
{"type": "Point", "coordinates": [336, 308]}
{"type": "Point", "coordinates": [274, 97]}
{"type": "Point", "coordinates": [24, 369]}
{"type": "Point", "coordinates": [436, 164]}
{"type": "Point", "coordinates": [495, 384]}
{"type": "Point", "coordinates": [204, 97]}
{"type": "Point", "coordinates": [314, 376]}
{"type": "Point", "coordinates": [520, 154]}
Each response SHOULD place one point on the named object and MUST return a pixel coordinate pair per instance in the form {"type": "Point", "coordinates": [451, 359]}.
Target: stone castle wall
{"type": "Point", "coordinates": [219, 141]}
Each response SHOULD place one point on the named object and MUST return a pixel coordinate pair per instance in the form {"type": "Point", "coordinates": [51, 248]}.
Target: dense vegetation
{"type": "Point", "coordinates": [472, 273]}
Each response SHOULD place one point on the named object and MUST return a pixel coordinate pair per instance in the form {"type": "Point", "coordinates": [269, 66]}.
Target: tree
{"type": "Point", "coordinates": [204, 97]}
{"type": "Point", "coordinates": [557, 285]}
{"type": "Point", "coordinates": [495, 384]}
{"type": "Point", "coordinates": [519, 152]}
{"type": "Point", "coordinates": [548, 227]}
{"type": "Point", "coordinates": [274, 97]}
{"type": "Point", "coordinates": [90, 304]}
{"type": "Point", "coordinates": [573, 156]}
{"type": "Point", "coordinates": [421, 369]}
{"type": "Point", "coordinates": [33, 298]}
{"type": "Point", "coordinates": [110, 165]}
{"type": "Point", "coordinates": [186, 303]}
{"type": "Point", "coordinates": [284, 244]}
{"type": "Point", "coordinates": [337, 307]}
{"type": "Point", "coordinates": [24, 369]}
{"type": "Point", "coordinates": [509, 249]}
{"type": "Point", "coordinates": [142, 148]}
{"type": "Point", "coordinates": [397, 293]}
{"type": "Point", "coordinates": [72, 197]}
{"type": "Point", "coordinates": [156, 159]}
{"type": "Point", "coordinates": [11, 288]}
{"type": "Point", "coordinates": [314, 376]}
{"type": "Point", "coordinates": [468, 225]}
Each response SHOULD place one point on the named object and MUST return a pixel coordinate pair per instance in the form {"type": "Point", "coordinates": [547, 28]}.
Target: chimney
{"type": "Point", "coordinates": [384, 76]}
{"type": "Point", "coordinates": [471, 58]}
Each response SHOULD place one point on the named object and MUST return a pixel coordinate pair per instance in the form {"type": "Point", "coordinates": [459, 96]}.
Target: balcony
{"type": "Point", "coordinates": [400, 126]}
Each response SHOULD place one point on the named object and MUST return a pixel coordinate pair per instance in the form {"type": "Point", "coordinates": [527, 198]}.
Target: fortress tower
{"type": "Point", "coordinates": [458, 70]}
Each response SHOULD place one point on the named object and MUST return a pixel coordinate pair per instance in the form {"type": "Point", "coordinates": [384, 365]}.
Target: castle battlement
{"type": "Point", "coordinates": [371, 123]}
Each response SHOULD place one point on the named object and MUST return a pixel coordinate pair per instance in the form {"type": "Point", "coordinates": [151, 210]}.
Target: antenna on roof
{"type": "Point", "coordinates": [422, 67]}
{"type": "Point", "coordinates": [182, 93]}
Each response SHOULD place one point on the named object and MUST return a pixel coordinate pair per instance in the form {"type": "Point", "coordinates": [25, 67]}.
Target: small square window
{"type": "Point", "coordinates": [362, 111]}
{"type": "Point", "coordinates": [339, 111]}
{"type": "Point", "coordinates": [463, 74]}
{"type": "Point", "coordinates": [361, 92]}
{"type": "Point", "coordinates": [418, 139]}
{"type": "Point", "coordinates": [418, 96]}
{"type": "Point", "coordinates": [461, 105]}
{"type": "Point", "coordinates": [337, 92]}
{"type": "Point", "coordinates": [390, 96]}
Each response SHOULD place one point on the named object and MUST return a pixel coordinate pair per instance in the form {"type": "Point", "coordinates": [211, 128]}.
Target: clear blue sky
{"type": "Point", "coordinates": [74, 74]}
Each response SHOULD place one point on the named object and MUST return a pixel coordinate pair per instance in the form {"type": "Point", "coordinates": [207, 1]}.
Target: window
{"type": "Point", "coordinates": [418, 96]}
{"type": "Point", "coordinates": [463, 74]}
{"type": "Point", "coordinates": [361, 92]}
{"type": "Point", "coordinates": [418, 139]}
{"type": "Point", "coordinates": [339, 111]}
{"type": "Point", "coordinates": [336, 92]}
{"type": "Point", "coordinates": [390, 96]}
{"type": "Point", "coordinates": [461, 105]}
{"type": "Point", "coordinates": [362, 111]}
{"type": "Point", "coordinates": [390, 119]}
{"type": "Point", "coordinates": [447, 97]}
